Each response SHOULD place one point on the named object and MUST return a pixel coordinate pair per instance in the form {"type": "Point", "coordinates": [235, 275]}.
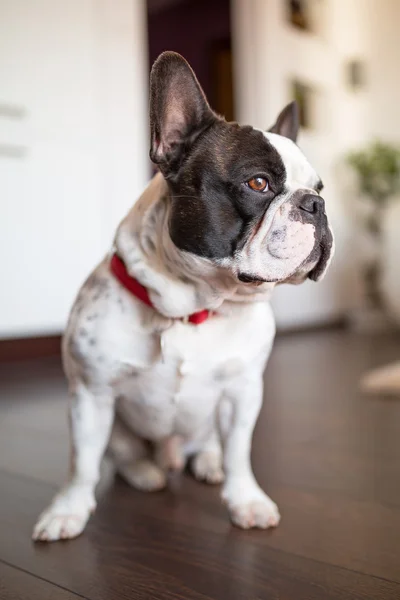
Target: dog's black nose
{"type": "Point", "coordinates": [311, 203]}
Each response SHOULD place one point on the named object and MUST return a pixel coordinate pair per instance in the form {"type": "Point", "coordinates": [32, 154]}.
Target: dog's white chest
{"type": "Point", "coordinates": [178, 393]}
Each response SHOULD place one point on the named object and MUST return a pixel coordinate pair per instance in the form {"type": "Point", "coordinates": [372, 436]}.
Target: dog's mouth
{"type": "Point", "coordinates": [251, 279]}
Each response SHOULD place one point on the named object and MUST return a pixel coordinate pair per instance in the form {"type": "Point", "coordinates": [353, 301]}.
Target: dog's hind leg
{"type": "Point", "coordinates": [132, 459]}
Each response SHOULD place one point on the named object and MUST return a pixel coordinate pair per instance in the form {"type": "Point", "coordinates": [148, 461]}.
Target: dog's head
{"type": "Point", "coordinates": [242, 198]}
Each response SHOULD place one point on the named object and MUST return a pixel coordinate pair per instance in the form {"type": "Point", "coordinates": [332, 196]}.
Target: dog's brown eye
{"type": "Point", "coordinates": [258, 184]}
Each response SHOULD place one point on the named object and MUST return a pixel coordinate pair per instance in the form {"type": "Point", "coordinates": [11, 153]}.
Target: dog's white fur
{"type": "Point", "coordinates": [190, 390]}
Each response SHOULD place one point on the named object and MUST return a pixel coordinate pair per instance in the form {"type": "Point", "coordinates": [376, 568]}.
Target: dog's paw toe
{"type": "Point", "coordinates": [249, 506]}
{"type": "Point", "coordinates": [66, 516]}
{"type": "Point", "coordinates": [260, 514]}
{"type": "Point", "coordinates": [207, 467]}
{"type": "Point", "coordinates": [52, 527]}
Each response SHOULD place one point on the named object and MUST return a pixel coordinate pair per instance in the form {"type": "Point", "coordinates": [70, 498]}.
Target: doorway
{"type": "Point", "coordinates": [200, 30]}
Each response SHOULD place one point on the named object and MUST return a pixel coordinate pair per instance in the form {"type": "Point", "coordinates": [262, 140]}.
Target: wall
{"type": "Point", "coordinates": [268, 51]}
{"type": "Point", "coordinates": [73, 147]}
{"type": "Point", "coordinates": [384, 69]}
{"type": "Point", "coordinates": [80, 76]}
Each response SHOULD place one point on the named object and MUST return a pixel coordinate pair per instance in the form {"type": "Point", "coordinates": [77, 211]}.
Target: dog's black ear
{"type": "Point", "coordinates": [288, 122]}
{"type": "Point", "coordinates": [179, 111]}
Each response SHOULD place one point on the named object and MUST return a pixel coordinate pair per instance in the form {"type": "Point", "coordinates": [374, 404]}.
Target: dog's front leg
{"type": "Point", "coordinates": [248, 505]}
{"type": "Point", "coordinates": [91, 417]}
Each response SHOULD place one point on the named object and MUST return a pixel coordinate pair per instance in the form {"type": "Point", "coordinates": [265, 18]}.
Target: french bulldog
{"type": "Point", "coordinates": [168, 338]}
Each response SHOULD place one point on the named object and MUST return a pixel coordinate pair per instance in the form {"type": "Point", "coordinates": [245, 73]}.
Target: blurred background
{"type": "Point", "coordinates": [74, 136]}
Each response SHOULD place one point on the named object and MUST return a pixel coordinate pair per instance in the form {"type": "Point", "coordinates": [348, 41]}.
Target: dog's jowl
{"type": "Point", "coordinates": [168, 339]}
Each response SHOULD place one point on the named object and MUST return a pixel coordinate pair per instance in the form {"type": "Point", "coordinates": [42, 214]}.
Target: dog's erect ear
{"type": "Point", "coordinates": [179, 111]}
{"type": "Point", "coordinates": [288, 122]}
{"type": "Point", "coordinates": [327, 246]}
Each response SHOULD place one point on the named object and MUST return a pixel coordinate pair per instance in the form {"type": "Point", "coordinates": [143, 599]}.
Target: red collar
{"type": "Point", "coordinates": [119, 270]}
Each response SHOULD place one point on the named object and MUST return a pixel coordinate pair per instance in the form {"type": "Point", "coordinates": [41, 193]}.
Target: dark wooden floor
{"type": "Point", "coordinates": [329, 456]}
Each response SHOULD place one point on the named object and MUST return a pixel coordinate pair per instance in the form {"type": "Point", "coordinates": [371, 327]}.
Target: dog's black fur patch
{"type": "Point", "coordinates": [208, 161]}
{"type": "Point", "coordinates": [212, 207]}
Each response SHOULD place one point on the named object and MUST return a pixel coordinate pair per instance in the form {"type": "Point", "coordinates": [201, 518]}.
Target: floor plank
{"type": "Point", "coordinates": [17, 585]}
{"type": "Point", "coordinates": [326, 453]}
{"type": "Point", "coordinates": [166, 546]}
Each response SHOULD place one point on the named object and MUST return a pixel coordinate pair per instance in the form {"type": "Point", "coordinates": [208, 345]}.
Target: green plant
{"type": "Point", "coordinates": [378, 170]}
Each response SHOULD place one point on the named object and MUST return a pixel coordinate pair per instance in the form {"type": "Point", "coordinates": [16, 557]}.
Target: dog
{"type": "Point", "coordinates": [168, 339]}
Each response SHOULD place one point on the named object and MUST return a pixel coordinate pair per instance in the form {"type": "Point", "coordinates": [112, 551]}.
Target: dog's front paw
{"type": "Point", "coordinates": [66, 517]}
{"type": "Point", "coordinates": [207, 466]}
{"type": "Point", "coordinates": [250, 507]}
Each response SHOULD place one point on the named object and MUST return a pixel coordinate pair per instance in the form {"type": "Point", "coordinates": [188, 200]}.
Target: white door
{"type": "Point", "coordinates": [73, 126]}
